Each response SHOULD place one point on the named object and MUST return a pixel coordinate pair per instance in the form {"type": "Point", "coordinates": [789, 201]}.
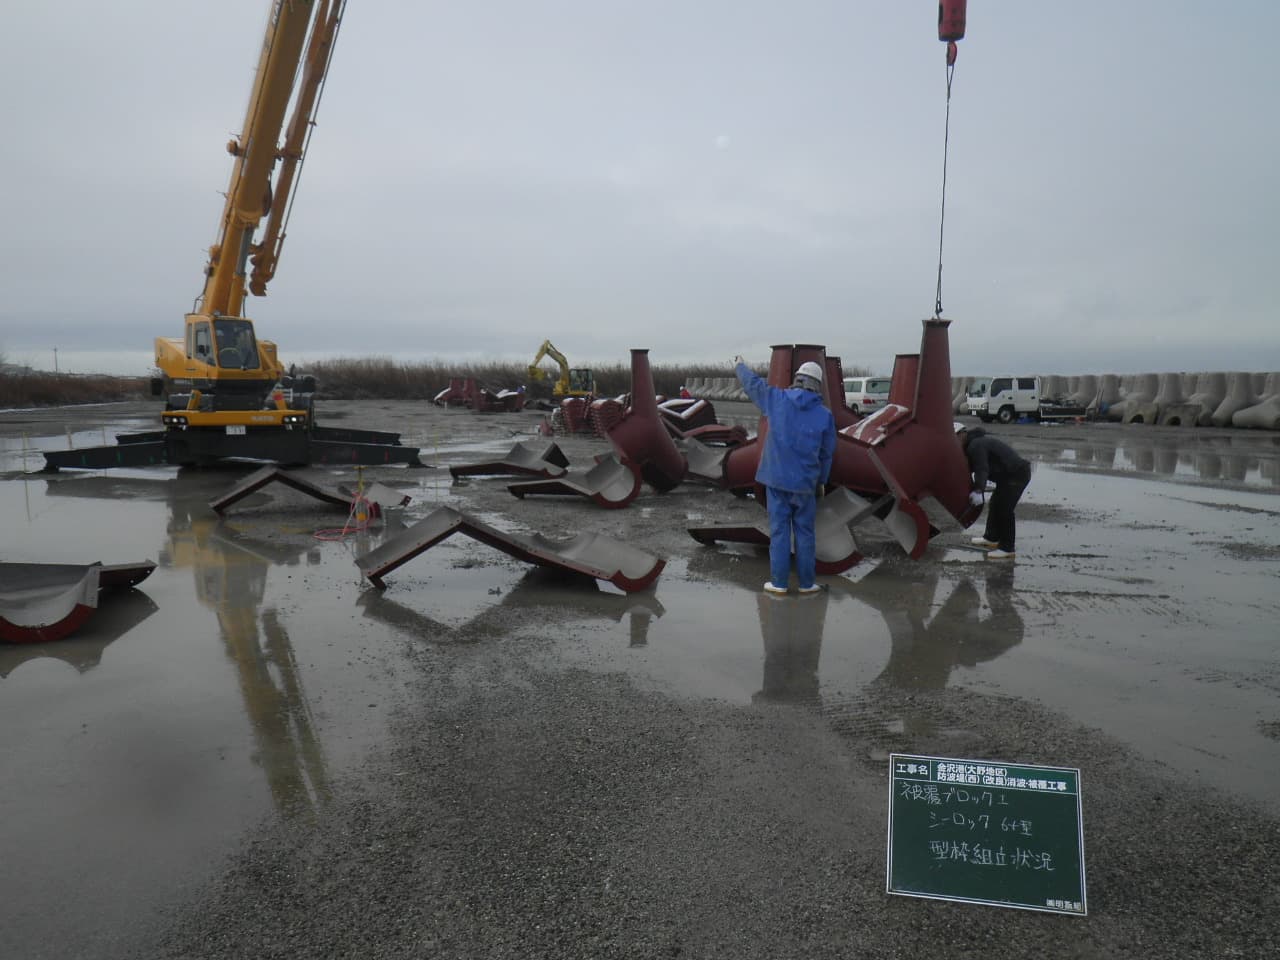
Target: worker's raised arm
{"type": "Point", "coordinates": [755, 385]}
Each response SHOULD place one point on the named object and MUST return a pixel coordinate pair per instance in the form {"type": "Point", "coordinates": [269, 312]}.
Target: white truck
{"type": "Point", "coordinates": [1009, 398]}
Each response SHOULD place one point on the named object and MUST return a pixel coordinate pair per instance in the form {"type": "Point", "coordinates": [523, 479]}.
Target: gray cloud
{"type": "Point", "coordinates": [699, 179]}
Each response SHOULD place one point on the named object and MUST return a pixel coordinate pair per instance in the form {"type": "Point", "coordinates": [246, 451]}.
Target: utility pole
{"type": "Point", "coordinates": [55, 359]}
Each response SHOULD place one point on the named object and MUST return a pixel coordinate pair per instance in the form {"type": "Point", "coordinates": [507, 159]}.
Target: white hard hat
{"type": "Point", "coordinates": [810, 369]}
{"type": "Point", "coordinates": [959, 427]}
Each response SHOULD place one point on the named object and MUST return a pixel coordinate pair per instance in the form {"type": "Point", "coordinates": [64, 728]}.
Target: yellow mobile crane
{"type": "Point", "coordinates": [573, 382]}
{"type": "Point", "coordinates": [229, 395]}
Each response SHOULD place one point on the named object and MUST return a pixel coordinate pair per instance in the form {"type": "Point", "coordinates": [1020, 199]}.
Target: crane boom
{"type": "Point", "coordinates": [249, 196]}
{"type": "Point", "coordinates": [316, 66]}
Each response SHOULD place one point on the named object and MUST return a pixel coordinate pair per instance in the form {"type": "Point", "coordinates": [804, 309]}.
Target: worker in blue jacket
{"type": "Point", "coordinates": [794, 466]}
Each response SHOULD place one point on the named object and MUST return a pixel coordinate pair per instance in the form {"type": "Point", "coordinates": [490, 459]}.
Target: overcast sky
{"type": "Point", "coordinates": [701, 178]}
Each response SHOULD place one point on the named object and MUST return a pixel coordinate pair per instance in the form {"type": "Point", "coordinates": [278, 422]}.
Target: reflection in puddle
{"type": "Point", "coordinates": [792, 631]}
{"type": "Point", "coordinates": [83, 649]}
{"type": "Point", "coordinates": [1245, 460]}
{"type": "Point", "coordinates": [500, 596]}
{"type": "Point", "coordinates": [230, 574]}
{"type": "Point", "coordinates": [222, 689]}
{"type": "Point", "coordinates": [928, 642]}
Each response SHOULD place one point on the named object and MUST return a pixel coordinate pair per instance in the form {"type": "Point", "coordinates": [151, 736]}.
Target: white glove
{"type": "Point", "coordinates": [975, 498]}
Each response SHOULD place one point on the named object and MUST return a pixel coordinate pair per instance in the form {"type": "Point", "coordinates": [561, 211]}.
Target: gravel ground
{"type": "Point", "coordinates": [527, 809]}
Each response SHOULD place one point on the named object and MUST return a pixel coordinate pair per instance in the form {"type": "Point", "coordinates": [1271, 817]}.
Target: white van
{"type": "Point", "coordinates": [866, 394]}
{"type": "Point", "coordinates": [1005, 399]}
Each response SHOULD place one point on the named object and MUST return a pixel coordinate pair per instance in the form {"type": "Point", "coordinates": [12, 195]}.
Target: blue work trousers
{"type": "Point", "coordinates": [792, 513]}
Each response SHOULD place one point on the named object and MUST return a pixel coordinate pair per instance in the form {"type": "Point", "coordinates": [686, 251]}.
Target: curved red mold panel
{"type": "Point", "coordinates": [541, 460]}
{"type": "Point", "coordinates": [612, 483]}
{"type": "Point", "coordinates": [590, 554]}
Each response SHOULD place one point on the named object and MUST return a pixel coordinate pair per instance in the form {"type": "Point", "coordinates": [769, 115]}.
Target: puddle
{"type": "Point", "coordinates": [1183, 456]}
{"type": "Point", "coordinates": [232, 685]}
{"type": "Point", "coordinates": [1128, 620]}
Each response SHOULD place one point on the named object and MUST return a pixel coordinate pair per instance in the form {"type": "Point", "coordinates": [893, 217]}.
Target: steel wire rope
{"type": "Point", "coordinates": [942, 219]}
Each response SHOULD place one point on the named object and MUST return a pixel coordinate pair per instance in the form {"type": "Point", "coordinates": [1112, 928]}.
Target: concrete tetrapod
{"type": "Point", "coordinates": [1266, 412]}
{"type": "Point", "coordinates": [1240, 396]}
{"type": "Point", "coordinates": [589, 554]}
{"type": "Point", "coordinates": [1137, 398]}
{"type": "Point", "coordinates": [1085, 392]}
{"type": "Point", "coordinates": [1107, 397]}
{"type": "Point", "coordinates": [1209, 391]}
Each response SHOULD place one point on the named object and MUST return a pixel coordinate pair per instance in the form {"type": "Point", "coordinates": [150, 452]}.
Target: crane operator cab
{"type": "Point", "coordinates": [230, 344]}
{"type": "Point", "coordinates": [237, 348]}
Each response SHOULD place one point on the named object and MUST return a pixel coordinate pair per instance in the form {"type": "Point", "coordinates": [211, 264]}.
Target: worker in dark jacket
{"type": "Point", "coordinates": [994, 460]}
{"type": "Point", "coordinates": [794, 467]}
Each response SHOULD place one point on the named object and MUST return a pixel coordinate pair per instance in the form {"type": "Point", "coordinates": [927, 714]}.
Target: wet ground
{"type": "Point", "coordinates": [251, 677]}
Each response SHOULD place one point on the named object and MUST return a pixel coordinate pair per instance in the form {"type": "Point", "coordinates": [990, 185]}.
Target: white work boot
{"type": "Point", "coordinates": [983, 542]}
{"type": "Point", "coordinates": [1000, 554]}
{"type": "Point", "coordinates": [771, 587]}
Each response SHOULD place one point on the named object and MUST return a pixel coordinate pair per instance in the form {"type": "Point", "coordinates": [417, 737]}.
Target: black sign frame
{"type": "Point", "coordinates": [988, 832]}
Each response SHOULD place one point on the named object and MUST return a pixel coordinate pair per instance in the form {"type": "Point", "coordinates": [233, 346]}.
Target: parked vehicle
{"type": "Point", "coordinates": [866, 394]}
{"type": "Point", "coordinates": [1011, 398]}
{"type": "Point", "coordinates": [1006, 399]}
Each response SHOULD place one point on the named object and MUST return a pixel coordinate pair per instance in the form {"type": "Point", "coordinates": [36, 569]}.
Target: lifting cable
{"type": "Point", "coordinates": [942, 220]}
{"type": "Point", "coordinates": [951, 21]}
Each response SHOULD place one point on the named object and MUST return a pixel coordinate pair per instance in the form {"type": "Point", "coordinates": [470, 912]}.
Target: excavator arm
{"type": "Point", "coordinates": [537, 373]}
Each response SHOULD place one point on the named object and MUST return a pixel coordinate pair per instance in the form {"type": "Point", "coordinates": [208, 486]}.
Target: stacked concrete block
{"type": "Point", "coordinates": [1139, 400]}
{"type": "Point", "coordinates": [1053, 387]}
{"type": "Point", "coordinates": [1084, 392]}
{"type": "Point", "coordinates": [1183, 399]}
{"type": "Point", "coordinates": [723, 388]}
{"type": "Point", "coordinates": [1107, 396]}
{"type": "Point", "coordinates": [1168, 407]}
{"type": "Point", "coordinates": [1265, 414]}
{"type": "Point", "coordinates": [1209, 391]}
{"type": "Point", "coordinates": [1240, 395]}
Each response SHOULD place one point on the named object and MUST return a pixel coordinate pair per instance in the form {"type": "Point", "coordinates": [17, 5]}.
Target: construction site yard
{"type": "Point", "coordinates": [259, 753]}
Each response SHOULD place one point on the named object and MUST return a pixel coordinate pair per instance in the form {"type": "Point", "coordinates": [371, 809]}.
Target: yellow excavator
{"type": "Point", "coordinates": [573, 381]}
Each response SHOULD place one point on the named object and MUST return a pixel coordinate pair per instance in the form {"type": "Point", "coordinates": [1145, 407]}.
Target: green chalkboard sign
{"type": "Point", "coordinates": [982, 831]}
